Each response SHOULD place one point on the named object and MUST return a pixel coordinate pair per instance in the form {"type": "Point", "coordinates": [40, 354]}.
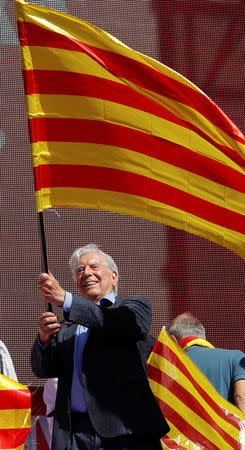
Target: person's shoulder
{"type": "Point", "coordinates": [139, 300]}
{"type": "Point", "coordinates": [132, 298]}
{"type": "Point", "coordinates": [239, 355]}
{"type": "Point", "coordinates": [3, 347]}
{"type": "Point", "coordinates": [230, 353]}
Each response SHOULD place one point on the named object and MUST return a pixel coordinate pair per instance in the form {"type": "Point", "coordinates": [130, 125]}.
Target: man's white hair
{"type": "Point", "coordinates": [91, 248]}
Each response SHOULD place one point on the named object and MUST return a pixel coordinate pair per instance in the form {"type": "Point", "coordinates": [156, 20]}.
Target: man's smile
{"type": "Point", "coordinates": [89, 283]}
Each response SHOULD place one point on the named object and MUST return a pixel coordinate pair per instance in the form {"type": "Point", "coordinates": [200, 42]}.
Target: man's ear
{"type": "Point", "coordinates": [114, 277]}
{"type": "Point", "coordinates": [174, 338]}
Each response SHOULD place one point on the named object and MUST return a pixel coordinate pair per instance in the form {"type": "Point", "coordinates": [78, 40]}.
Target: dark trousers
{"type": "Point", "coordinates": [84, 437]}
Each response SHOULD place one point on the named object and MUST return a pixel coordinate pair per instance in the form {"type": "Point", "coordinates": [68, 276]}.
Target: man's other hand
{"type": "Point", "coordinates": [48, 324]}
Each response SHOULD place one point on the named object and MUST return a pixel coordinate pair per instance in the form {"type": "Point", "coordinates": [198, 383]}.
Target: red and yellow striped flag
{"type": "Point", "coordinates": [113, 129]}
{"type": "Point", "coordinates": [199, 418]}
{"type": "Point", "coordinates": [15, 414]}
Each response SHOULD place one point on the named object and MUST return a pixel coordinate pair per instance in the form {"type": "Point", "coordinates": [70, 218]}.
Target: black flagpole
{"type": "Point", "coordinates": [44, 250]}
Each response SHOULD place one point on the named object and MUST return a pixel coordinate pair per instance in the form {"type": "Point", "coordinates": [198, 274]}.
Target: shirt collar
{"type": "Point", "coordinates": [110, 296]}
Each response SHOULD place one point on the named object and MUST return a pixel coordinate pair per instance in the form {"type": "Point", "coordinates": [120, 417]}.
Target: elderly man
{"type": "Point", "coordinates": [99, 356]}
{"type": "Point", "coordinates": [225, 369]}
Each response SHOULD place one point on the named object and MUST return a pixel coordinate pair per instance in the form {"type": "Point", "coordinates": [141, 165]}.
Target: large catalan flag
{"type": "Point", "coordinates": [199, 418]}
{"type": "Point", "coordinates": [113, 129]}
{"type": "Point", "coordinates": [15, 414]}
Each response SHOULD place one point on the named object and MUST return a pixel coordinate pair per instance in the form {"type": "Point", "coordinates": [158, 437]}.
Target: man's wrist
{"type": "Point", "coordinates": [61, 300]}
{"type": "Point", "coordinates": [43, 339]}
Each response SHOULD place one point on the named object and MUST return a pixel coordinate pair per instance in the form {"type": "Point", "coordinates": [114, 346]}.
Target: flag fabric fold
{"type": "Point", "coordinates": [113, 129]}
{"type": "Point", "coordinates": [15, 414]}
{"type": "Point", "coordinates": [199, 418]}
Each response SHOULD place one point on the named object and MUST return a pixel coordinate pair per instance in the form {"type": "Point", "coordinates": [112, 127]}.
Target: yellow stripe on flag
{"type": "Point", "coordinates": [9, 384]}
{"type": "Point", "coordinates": [139, 207]}
{"type": "Point", "coordinates": [13, 418]}
{"type": "Point", "coordinates": [48, 58]}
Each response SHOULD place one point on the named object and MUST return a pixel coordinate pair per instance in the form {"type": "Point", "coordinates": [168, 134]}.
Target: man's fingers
{"type": "Point", "coordinates": [43, 277]}
{"type": "Point", "coordinates": [53, 327]}
{"type": "Point", "coordinates": [47, 314]}
{"type": "Point", "coordinates": [50, 329]}
{"type": "Point", "coordinates": [45, 281]}
{"type": "Point", "coordinates": [50, 274]}
{"type": "Point", "coordinates": [50, 289]}
{"type": "Point", "coordinates": [47, 322]}
{"type": "Point", "coordinates": [48, 319]}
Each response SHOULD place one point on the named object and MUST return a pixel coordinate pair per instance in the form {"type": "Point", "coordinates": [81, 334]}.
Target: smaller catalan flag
{"type": "Point", "coordinates": [199, 418]}
{"type": "Point", "coordinates": [15, 414]}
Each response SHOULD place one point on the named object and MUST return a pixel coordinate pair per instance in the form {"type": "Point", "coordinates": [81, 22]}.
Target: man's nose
{"type": "Point", "coordinates": [88, 270]}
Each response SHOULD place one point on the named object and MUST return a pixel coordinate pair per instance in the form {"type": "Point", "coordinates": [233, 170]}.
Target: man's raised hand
{"type": "Point", "coordinates": [50, 289]}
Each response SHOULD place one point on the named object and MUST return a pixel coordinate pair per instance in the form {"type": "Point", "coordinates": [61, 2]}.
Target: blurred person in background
{"type": "Point", "coordinates": [6, 364]}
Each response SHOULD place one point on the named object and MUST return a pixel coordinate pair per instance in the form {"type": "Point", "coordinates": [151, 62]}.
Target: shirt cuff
{"type": "Point", "coordinates": [68, 302]}
{"type": "Point", "coordinates": [43, 346]}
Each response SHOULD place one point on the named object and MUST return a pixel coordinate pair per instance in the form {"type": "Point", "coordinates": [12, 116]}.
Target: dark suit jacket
{"type": "Point", "coordinates": [118, 397]}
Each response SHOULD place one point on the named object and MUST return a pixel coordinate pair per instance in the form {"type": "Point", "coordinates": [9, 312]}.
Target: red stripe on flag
{"type": "Point", "coordinates": [71, 83]}
{"type": "Point", "coordinates": [31, 34]}
{"type": "Point", "coordinates": [99, 132]}
{"type": "Point", "coordinates": [92, 177]}
{"type": "Point", "coordinates": [166, 352]}
{"type": "Point", "coordinates": [170, 444]}
{"type": "Point", "coordinates": [188, 399]}
{"type": "Point", "coordinates": [15, 399]}
{"type": "Point", "coordinates": [188, 430]}
{"type": "Point", "coordinates": [11, 438]}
